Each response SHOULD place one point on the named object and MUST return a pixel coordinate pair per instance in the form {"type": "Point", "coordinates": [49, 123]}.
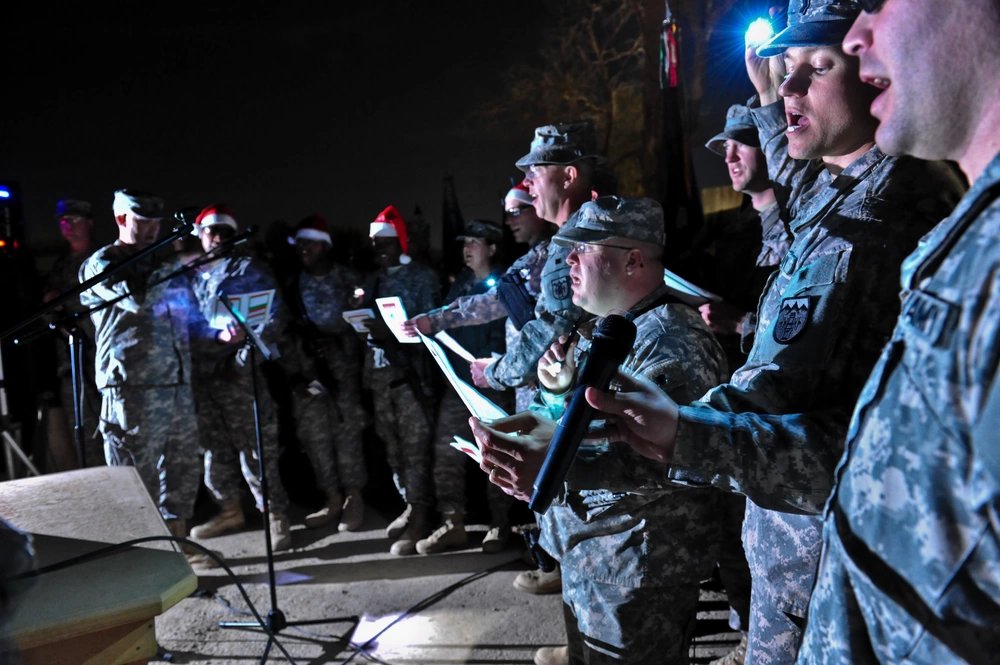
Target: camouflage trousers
{"type": "Point", "coordinates": [154, 430]}
{"type": "Point", "coordinates": [401, 423]}
{"type": "Point", "coordinates": [228, 435]}
{"type": "Point", "coordinates": [733, 568]}
{"type": "Point", "coordinates": [330, 432]}
{"type": "Point", "coordinates": [450, 465]}
{"type": "Point", "coordinates": [606, 623]}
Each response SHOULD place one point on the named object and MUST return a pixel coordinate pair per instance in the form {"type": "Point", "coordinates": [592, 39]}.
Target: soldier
{"type": "Point", "coordinates": [747, 249]}
{"type": "Point", "coordinates": [76, 224]}
{"type": "Point", "coordinates": [909, 570]}
{"type": "Point", "coordinates": [400, 380]}
{"type": "Point", "coordinates": [224, 384]}
{"type": "Point", "coordinates": [143, 361]}
{"type": "Point", "coordinates": [632, 547]}
{"type": "Point", "coordinates": [775, 431]}
{"type": "Point", "coordinates": [479, 250]}
{"type": "Point", "coordinates": [326, 391]}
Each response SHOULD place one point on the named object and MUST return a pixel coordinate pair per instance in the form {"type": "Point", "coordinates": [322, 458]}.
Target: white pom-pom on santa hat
{"type": "Point", "coordinates": [390, 224]}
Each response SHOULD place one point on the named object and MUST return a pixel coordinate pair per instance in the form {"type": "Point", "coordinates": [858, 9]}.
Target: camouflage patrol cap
{"type": "Point", "coordinates": [482, 228]}
{"type": "Point", "coordinates": [140, 204]}
{"type": "Point", "coordinates": [812, 23]}
{"type": "Point", "coordinates": [606, 217]}
{"type": "Point", "coordinates": [561, 144]}
{"type": "Point", "coordinates": [739, 127]}
{"type": "Point", "coordinates": [73, 208]}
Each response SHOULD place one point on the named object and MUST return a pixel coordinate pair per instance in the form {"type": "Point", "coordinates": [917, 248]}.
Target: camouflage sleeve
{"type": "Point", "coordinates": [103, 292]}
{"type": "Point", "coordinates": [467, 311]}
{"type": "Point", "coordinates": [555, 315]}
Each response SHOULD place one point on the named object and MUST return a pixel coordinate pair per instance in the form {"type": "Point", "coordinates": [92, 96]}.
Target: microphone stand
{"type": "Point", "coordinates": [276, 620]}
{"type": "Point", "coordinates": [75, 339]}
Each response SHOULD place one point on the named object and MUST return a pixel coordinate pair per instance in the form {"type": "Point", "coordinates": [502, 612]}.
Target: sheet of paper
{"type": "Point", "coordinates": [453, 344]}
{"type": "Point", "coordinates": [356, 318]}
{"type": "Point", "coordinates": [686, 291]}
{"type": "Point", "coordinates": [469, 448]}
{"type": "Point", "coordinates": [394, 315]}
{"type": "Point", "coordinates": [255, 307]}
{"type": "Point", "coordinates": [474, 401]}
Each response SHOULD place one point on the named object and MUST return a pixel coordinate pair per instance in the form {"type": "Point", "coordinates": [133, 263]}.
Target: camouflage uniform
{"type": "Point", "coordinates": [64, 275]}
{"type": "Point", "coordinates": [224, 391]}
{"type": "Point", "coordinates": [143, 372]}
{"type": "Point", "coordinates": [330, 426]}
{"type": "Point", "coordinates": [775, 431]}
{"type": "Point", "coordinates": [484, 307]}
{"type": "Point", "coordinates": [633, 548]}
{"type": "Point", "coordinates": [909, 571]}
{"type": "Point", "coordinates": [453, 416]}
{"type": "Point", "coordinates": [555, 315]}
{"type": "Point", "coordinates": [393, 371]}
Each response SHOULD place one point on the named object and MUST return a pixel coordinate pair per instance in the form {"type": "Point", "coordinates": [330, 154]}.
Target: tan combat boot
{"type": "Point", "coordinates": [330, 512]}
{"type": "Point", "coordinates": [416, 528]}
{"type": "Point", "coordinates": [552, 656]}
{"type": "Point", "coordinates": [450, 535]}
{"type": "Point", "coordinates": [197, 559]}
{"type": "Point", "coordinates": [352, 515]}
{"type": "Point", "coordinates": [229, 519]}
{"type": "Point", "coordinates": [538, 582]}
{"type": "Point", "coordinates": [398, 525]}
{"type": "Point", "coordinates": [281, 532]}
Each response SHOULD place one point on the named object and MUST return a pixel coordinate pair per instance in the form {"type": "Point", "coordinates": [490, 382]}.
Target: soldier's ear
{"type": "Point", "coordinates": [572, 173]}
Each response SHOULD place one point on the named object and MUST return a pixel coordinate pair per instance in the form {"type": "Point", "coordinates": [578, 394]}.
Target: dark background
{"type": "Point", "coordinates": [283, 109]}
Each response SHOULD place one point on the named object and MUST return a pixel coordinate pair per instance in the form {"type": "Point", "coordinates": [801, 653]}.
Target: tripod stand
{"type": "Point", "coordinates": [276, 620]}
{"type": "Point", "coordinates": [10, 434]}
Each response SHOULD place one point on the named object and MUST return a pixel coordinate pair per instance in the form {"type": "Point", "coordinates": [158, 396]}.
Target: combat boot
{"type": "Point", "coordinates": [197, 559]}
{"type": "Point", "coordinates": [539, 582]}
{"type": "Point", "coordinates": [552, 656]}
{"type": "Point", "coordinates": [450, 535]}
{"type": "Point", "coordinates": [416, 528]}
{"type": "Point", "coordinates": [352, 515]}
{"type": "Point", "coordinates": [229, 519]}
{"type": "Point", "coordinates": [328, 513]}
{"type": "Point", "coordinates": [734, 657]}
{"type": "Point", "coordinates": [281, 532]}
{"type": "Point", "coordinates": [398, 525]}
{"type": "Point", "coordinates": [496, 538]}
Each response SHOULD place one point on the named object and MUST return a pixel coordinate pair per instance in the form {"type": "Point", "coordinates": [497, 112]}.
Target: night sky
{"type": "Point", "coordinates": [279, 110]}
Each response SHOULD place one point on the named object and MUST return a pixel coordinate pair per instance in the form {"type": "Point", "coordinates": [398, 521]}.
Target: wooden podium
{"type": "Point", "coordinates": [100, 612]}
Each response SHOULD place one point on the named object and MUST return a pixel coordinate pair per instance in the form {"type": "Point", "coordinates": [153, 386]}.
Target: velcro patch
{"type": "Point", "coordinates": [793, 318]}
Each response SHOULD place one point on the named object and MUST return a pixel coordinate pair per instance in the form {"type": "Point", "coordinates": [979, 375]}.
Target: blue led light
{"type": "Point", "coordinates": [490, 281]}
{"type": "Point", "coordinates": [4, 193]}
{"type": "Point", "coordinates": [760, 31]}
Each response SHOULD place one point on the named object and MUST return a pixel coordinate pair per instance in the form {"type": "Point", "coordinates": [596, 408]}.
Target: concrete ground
{"type": "Point", "coordinates": [458, 607]}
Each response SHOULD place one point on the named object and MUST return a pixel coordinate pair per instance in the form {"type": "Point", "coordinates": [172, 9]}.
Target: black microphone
{"type": "Point", "coordinates": [612, 342]}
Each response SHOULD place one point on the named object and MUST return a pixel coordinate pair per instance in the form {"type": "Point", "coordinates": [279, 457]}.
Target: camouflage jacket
{"type": "Point", "coordinates": [142, 340]}
{"type": "Point", "coordinates": [776, 430]}
{"type": "Point", "coordinates": [919, 483]}
{"type": "Point", "coordinates": [555, 315]}
{"type": "Point", "coordinates": [474, 309]}
{"type": "Point", "coordinates": [618, 521]}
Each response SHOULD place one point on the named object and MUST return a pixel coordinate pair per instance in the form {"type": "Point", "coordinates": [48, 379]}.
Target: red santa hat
{"type": "Point", "coordinates": [216, 214]}
{"type": "Point", "coordinates": [313, 227]}
{"type": "Point", "coordinates": [517, 194]}
{"type": "Point", "coordinates": [390, 224]}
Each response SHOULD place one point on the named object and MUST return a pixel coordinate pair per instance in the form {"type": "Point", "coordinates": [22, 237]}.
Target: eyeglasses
{"type": "Point", "coordinates": [516, 212]}
{"type": "Point", "coordinates": [588, 247]}
{"type": "Point", "coordinates": [871, 6]}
